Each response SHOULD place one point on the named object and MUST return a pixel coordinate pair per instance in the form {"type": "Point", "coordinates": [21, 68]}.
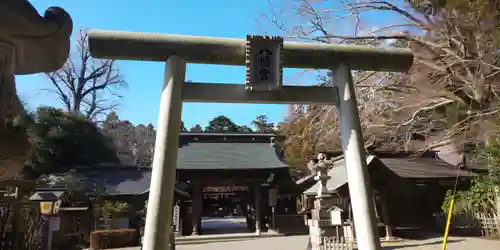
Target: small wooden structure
{"type": "Point", "coordinates": [73, 218]}
{"type": "Point", "coordinates": [398, 181]}
{"type": "Point", "coordinates": [86, 188]}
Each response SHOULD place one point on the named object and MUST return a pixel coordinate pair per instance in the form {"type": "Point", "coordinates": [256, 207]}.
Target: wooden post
{"type": "Point", "coordinates": [257, 196]}
{"type": "Point", "coordinates": [386, 215]}
{"type": "Point", "coordinates": [196, 204]}
{"type": "Point", "coordinates": [172, 238]}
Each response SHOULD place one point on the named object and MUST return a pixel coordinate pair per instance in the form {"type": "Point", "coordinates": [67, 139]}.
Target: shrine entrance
{"type": "Point", "coordinates": [225, 210]}
{"type": "Point", "coordinates": [227, 185]}
{"type": "Point", "coordinates": [264, 58]}
{"type": "Point", "coordinates": [222, 201]}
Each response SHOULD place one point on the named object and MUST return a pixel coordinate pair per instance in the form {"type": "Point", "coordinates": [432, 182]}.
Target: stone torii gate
{"type": "Point", "coordinates": [264, 58]}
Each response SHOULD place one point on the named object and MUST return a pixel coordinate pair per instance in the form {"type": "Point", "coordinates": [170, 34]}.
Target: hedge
{"type": "Point", "coordinates": [115, 238]}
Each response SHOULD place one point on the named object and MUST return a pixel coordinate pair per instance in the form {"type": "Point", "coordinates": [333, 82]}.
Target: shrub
{"type": "Point", "coordinates": [112, 209]}
{"type": "Point", "coordinates": [481, 196]}
{"type": "Point", "coordinates": [117, 238]}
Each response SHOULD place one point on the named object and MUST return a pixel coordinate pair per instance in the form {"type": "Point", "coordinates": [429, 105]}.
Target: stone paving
{"type": "Point", "coordinates": [300, 243]}
{"type": "Point", "coordinates": [454, 243]}
{"type": "Point", "coordinates": [236, 225]}
{"type": "Point", "coordinates": [224, 225]}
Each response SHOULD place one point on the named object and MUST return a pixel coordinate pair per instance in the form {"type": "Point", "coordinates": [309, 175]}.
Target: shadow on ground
{"type": "Point", "coordinates": [223, 226]}
{"type": "Point", "coordinates": [224, 231]}
{"type": "Point", "coordinates": [201, 242]}
{"type": "Point", "coordinates": [436, 242]}
{"type": "Point", "coordinates": [414, 233]}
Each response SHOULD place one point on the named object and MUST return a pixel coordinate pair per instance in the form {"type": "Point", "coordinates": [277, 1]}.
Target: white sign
{"type": "Point", "coordinates": [263, 61]}
{"type": "Point", "coordinates": [336, 217]}
{"type": "Point", "coordinates": [54, 223]}
{"type": "Point", "coordinates": [176, 217]}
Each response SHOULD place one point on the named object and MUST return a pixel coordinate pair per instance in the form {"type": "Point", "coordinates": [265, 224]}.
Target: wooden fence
{"type": "Point", "coordinates": [20, 226]}
{"type": "Point", "coordinates": [468, 224]}
{"type": "Point", "coordinates": [337, 243]}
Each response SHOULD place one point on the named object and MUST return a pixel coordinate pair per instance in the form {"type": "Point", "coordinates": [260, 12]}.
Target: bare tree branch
{"type": "Point", "coordinates": [85, 86]}
{"type": "Point", "coordinates": [451, 92]}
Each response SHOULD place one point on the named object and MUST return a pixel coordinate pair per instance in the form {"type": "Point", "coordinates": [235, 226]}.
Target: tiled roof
{"type": "Point", "coordinates": [423, 168]}
{"type": "Point", "coordinates": [338, 175]}
{"type": "Point", "coordinates": [116, 180]}
{"type": "Point", "coordinates": [200, 151]}
{"type": "Point", "coordinates": [408, 168]}
{"type": "Point", "coordinates": [46, 196]}
{"type": "Point", "coordinates": [232, 155]}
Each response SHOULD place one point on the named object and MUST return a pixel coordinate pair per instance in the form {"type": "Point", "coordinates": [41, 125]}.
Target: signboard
{"type": "Point", "coordinates": [335, 216]}
{"type": "Point", "coordinates": [273, 197]}
{"type": "Point", "coordinates": [224, 189]}
{"type": "Point", "coordinates": [176, 217]}
{"type": "Point", "coordinates": [54, 223]}
{"type": "Point", "coordinates": [263, 61]}
{"type": "Point", "coordinates": [218, 196]}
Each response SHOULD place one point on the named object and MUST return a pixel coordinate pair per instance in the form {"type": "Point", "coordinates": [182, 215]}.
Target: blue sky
{"type": "Point", "coordinates": [222, 18]}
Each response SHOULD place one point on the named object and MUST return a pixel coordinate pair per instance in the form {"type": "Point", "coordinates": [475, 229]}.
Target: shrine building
{"type": "Point", "coordinates": [234, 174]}
{"type": "Point", "coordinates": [218, 174]}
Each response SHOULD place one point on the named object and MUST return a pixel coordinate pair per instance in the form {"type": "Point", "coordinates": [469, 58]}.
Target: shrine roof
{"type": "Point", "coordinates": [231, 152]}
{"type": "Point", "coordinates": [239, 137]}
{"type": "Point", "coordinates": [417, 168]}
{"type": "Point", "coordinates": [112, 179]}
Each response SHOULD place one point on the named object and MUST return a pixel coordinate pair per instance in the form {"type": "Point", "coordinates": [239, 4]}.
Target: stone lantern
{"type": "Point", "coordinates": [322, 177]}
{"type": "Point", "coordinates": [322, 213]}
{"type": "Point", "coordinates": [323, 201]}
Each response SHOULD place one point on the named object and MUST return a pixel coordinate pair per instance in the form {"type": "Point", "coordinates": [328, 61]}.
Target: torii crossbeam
{"type": "Point", "coordinates": [177, 50]}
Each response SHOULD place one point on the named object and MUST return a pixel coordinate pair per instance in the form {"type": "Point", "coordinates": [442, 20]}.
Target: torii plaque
{"type": "Point", "coordinates": [263, 62]}
{"type": "Point", "coordinates": [177, 50]}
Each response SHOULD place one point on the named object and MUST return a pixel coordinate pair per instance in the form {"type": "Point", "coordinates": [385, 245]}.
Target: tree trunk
{"type": "Point", "coordinates": [75, 106]}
